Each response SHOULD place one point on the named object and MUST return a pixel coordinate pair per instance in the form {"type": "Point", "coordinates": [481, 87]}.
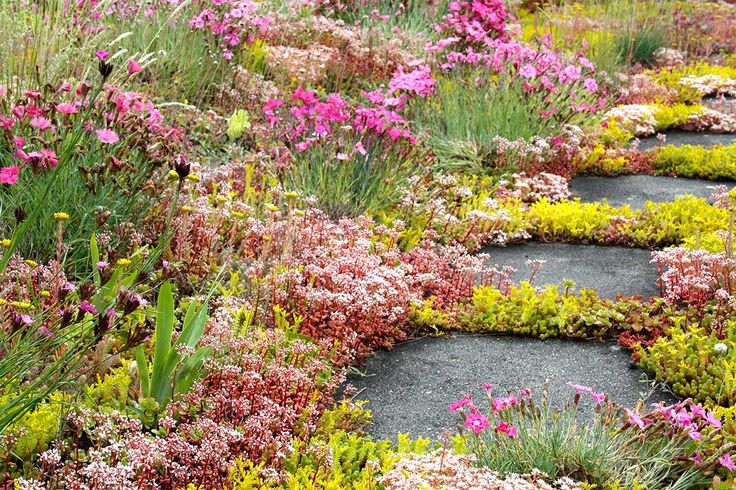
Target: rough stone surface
{"type": "Point", "coordinates": [680, 138]}
{"type": "Point", "coordinates": [636, 190]}
{"type": "Point", "coordinates": [609, 270]}
{"type": "Point", "coordinates": [410, 388]}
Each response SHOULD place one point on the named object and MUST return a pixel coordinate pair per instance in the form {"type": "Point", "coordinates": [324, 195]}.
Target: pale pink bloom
{"type": "Point", "coordinates": [107, 136]}
{"type": "Point", "coordinates": [635, 418]}
{"type": "Point", "coordinates": [360, 148]}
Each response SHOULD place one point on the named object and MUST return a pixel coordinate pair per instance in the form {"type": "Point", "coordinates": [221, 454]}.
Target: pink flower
{"type": "Point", "coordinates": [591, 85]}
{"type": "Point", "coordinates": [528, 71]}
{"type": "Point", "coordinates": [107, 136]}
{"type": "Point", "coordinates": [360, 148]}
{"type": "Point", "coordinates": [635, 419]}
{"type": "Point", "coordinates": [461, 403]}
{"type": "Point", "coordinates": [41, 123]}
{"type": "Point", "coordinates": [727, 462]}
{"type": "Point", "coordinates": [570, 74]}
{"type": "Point", "coordinates": [580, 388]}
{"type": "Point", "coordinates": [87, 307]}
{"type": "Point", "coordinates": [133, 67]}
{"type": "Point", "coordinates": [477, 422]}
{"type": "Point", "coordinates": [102, 54]}
{"type": "Point", "coordinates": [713, 420]}
{"type": "Point", "coordinates": [66, 109]}
{"type": "Point", "coordinates": [504, 428]}
{"type": "Point", "coordinates": [9, 175]}
{"type": "Point", "coordinates": [488, 388]}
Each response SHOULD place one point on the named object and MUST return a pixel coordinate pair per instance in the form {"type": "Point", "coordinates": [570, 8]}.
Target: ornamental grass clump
{"type": "Point", "coordinates": [678, 446]}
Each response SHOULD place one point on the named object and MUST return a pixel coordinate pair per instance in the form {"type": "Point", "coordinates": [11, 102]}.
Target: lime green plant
{"type": "Point", "coordinates": [696, 364]}
{"type": "Point", "coordinates": [173, 369]}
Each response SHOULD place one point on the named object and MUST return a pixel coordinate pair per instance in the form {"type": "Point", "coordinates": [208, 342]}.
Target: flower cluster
{"type": "Point", "coordinates": [531, 189]}
{"type": "Point", "coordinates": [695, 277]}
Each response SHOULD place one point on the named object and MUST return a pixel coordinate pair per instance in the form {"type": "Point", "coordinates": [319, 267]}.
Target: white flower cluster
{"type": "Point", "coordinates": [455, 472]}
{"type": "Point", "coordinates": [638, 118]}
{"type": "Point", "coordinates": [710, 84]}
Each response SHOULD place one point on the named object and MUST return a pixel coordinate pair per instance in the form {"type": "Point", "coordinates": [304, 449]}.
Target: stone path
{"type": "Point", "coordinates": [680, 138]}
{"type": "Point", "coordinates": [636, 190]}
{"type": "Point", "coordinates": [610, 270]}
{"type": "Point", "coordinates": [411, 387]}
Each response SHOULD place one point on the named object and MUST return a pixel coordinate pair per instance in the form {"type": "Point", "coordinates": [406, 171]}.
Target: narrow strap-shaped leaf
{"type": "Point", "coordinates": [94, 252]}
{"type": "Point", "coordinates": [190, 370]}
{"type": "Point", "coordinates": [164, 329]}
{"type": "Point", "coordinates": [142, 365]}
{"type": "Point", "coordinates": [194, 329]}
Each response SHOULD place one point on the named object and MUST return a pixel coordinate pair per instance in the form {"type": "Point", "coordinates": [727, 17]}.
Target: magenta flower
{"type": "Point", "coordinates": [727, 462]}
{"type": "Point", "coordinates": [711, 419]}
{"type": "Point", "coordinates": [133, 67]}
{"type": "Point", "coordinates": [87, 307]}
{"type": "Point", "coordinates": [598, 398]}
{"type": "Point", "coordinates": [461, 403]}
{"type": "Point", "coordinates": [503, 427]}
{"type": "Point", "coordinates": [488, 388]}
{"type": "Point", "coordinates": [9, 175]}
{"type": "Point", "coordinates": [102, 55]}
{"type": "Point", "coordinates": [477, 422]}
{"type": "Point", "coordinates": [107, 136]}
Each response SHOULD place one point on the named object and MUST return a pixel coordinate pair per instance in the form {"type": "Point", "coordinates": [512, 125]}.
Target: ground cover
{"type": "Point", "coordinates": [213, 212]}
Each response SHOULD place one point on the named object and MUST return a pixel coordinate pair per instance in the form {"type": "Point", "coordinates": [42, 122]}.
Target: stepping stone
{"type": "Point", "coordinates": [636, 190]}
{"type": "Point", "coordinates": [680, 138]}
{"type": "Point", "coordinates": [609, 270]}
{"type": "Point", "coordinates": [410, 388]}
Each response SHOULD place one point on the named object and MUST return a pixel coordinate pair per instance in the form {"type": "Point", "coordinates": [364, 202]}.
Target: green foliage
{"type": "Point", "coordinates": [464, 116]}
{"type": "Point", "coordinates": [356, 184]}
{"type": "Point", "coordinates": [111, 390]}
{"type": "Point", "coordinates": [35, 430]}
{"type": "Point", "coordinates": [714, 163]}
{"type": "Point", "coordinates": [674, 116]}
{"type": "Point", "coordinates": [543, 314]}
{"type": "Point", "coordinates": [173, 370]}
{"type": "Point", "coordinates": [43, 44]}
{"type": "Point", "coordinates": [599, 452]}
{"type": "Point", "coordinates": [688, 360]}
{"type": "Point", "coordinates": [640, 45]}
{"type": "Point", "coordinates": [238, 124]}
{"type": "Point", "coordinates": [671, 77]}
{"type": "Point", "coordinates": [658, 224]}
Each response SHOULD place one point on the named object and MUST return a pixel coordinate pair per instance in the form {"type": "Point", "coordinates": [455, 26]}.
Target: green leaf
{"type": "Point", "coordinates": [164, 329]}
{"type": "Point", "coordinates": [94, 252]}
{"type": "Point", "coordinates": [142, 365]}
{"type": "Point", "coordinates": [193, 325]}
